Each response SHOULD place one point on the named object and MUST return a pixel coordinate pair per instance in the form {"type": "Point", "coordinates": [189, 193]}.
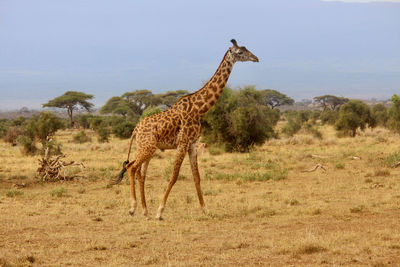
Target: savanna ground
{"type": "Point", "coordinates": [263, 209]}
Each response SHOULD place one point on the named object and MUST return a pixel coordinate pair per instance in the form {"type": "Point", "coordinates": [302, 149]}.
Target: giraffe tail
{"type": "Point", "coordinates": [120, 176]}
{"type": "Point", "coordinates": [118, 179]}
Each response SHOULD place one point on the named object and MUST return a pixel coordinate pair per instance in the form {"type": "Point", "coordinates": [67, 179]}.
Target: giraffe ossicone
{"type": "Point", "coordinates": [178, 128]}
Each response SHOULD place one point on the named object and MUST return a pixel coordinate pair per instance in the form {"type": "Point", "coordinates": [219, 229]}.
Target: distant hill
{"type": "Point", "coordinates": [27, 113]}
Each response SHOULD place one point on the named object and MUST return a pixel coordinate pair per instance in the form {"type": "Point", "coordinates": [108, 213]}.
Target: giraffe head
{"type": "Point", "coordinates": [240, 53]}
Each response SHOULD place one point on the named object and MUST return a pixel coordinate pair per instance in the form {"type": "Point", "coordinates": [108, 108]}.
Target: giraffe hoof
{"type": "Point", "coordinates": [159, 218]}
{"type": "Point", "coordinates": [131, 213]}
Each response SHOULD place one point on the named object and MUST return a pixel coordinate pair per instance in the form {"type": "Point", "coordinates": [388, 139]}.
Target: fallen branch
{"type": "Point", "coordinates": [56, 169]}
{"type": "Point", "coordinates": [319, 157]}
{"type": "Point", "coordinates": [397, 164]}
{"type": "Point", "coordinates": [318, 166]}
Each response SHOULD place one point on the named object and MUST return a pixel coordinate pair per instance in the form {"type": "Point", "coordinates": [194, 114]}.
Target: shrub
{"type": "Point", "coordinates": [28, 145]}
{"type": "Point", "coordinates": [13, 133]}
{"type": "Point", "coordinates": [329, 117]}
{"type": "Point", "coordinates": [3, 128]}
{"type": "Point", "coordinates": [81, 138]}
{"type": "Point", "coordinates": [394, 114]}
{"type": "Point", "coordinates": [103, 134]}
{"type": "Point", "coordinates": [239, 121]}
{"type": "Point", "coordinates": [149, 111]}
{"type": "Point", "coordinates": [380, 114]}
{"type": "Point", "coordinates": [353, 115]}
{"type": "Point", "coordinates": [43, 126]}
{"type": "Point", "coordinates": [123, 129]}
{"type": "Point", "coordinates": [291, 127]}
{"type": "Point", "coordinates": [84, 120]}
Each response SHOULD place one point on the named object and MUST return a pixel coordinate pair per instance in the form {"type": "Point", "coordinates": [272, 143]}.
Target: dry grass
{"type": "Point", "coordinates": [263, 209]}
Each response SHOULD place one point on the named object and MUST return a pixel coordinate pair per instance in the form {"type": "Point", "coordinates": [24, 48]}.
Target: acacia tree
{"type": "Point", "coordinates": [71, 100]}
{"type": "Point", "coordinates": [331, 101]}
{"type": "Point", "coordinates": [170, 97]}
{"type": "Point", "coordinates": [116, 105]}
{"type": "Point", "coordinates": [273, 98]}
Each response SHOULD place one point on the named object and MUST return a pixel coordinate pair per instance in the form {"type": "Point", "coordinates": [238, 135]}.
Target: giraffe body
{"type": "Point", "coordinates": [179, 128]}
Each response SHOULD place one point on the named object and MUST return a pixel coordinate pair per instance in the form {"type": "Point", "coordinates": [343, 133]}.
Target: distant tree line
{"type": "Point", "coordinates": [241, 118]}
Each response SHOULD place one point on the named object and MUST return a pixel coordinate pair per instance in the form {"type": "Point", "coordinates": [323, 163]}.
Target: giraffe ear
{"type": "Point", "coordinates": [234, 42]}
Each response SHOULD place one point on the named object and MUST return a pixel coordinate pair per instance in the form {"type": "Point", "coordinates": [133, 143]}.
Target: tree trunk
{"type": "Point", "coordinates": [69, 109]}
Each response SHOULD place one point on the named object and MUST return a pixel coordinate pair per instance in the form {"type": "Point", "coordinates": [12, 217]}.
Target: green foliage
{"type": "Point", "coordinates": [84, 120]}
{"type": "Point", "coordinates": [28, 145]}
{"type": "Point", "coordinates": [81, 138]}
{"type": "Point", "coordinates": [292, 126]}
{"type": "Point", "coordinates": [71, 101]}
{"type": "Point", "coordinates": [329, 117]}
{"type": "Point", "coordinates": [330, 101]}
{"type": "Point", "coordinates": [43, 126]}
{"type": "Point", "coordinates": [239, 120]}
{"type": "Point", "coordinates": [394, 114]}
{"type": "Point", "coordinates": [103, 134]}
{"type": "Point", "coordinates": [149, 111]}
{"type": "Point", "coordinates": [353, 115]}
{"type": "Point", "coordinates": [392, 159]}
{"type": "Point", "coordinates": [380, 114]}
{"type": "Point", "coordinates": [13, 133]}
{"type": "Point", "coordinates": [123, 129]}
{"type": "Point", "coordinates": [273, 98]}
{"type": "Point", "coordinates": [4, 124]}
{"type": "Point", "coordinates": [116, 105]}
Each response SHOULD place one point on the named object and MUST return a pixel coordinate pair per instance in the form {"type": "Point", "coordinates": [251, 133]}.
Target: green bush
{"type": "Point", "coordinates": [123, 129]}
{"type": "Point", "coordinates": [28, 145]}
{"type": "Point", "coordinates": [394, 114]}
{"type": "Point", "coordinates": [354, 115]}
{"type": "Point", "coordinates": [381, 114]}
{"type": "Point", "coordinates": [81, 138]}
{"type": "Point", "coordinates": [292, 126]}
{"type": "Point", "coordinates": [149, 111]}
{"type": "Point", "coordinates": [103, 134]}
{"type": "Point", "coordinates": [329, 117]}
{"type": "Point", "coordinates": [4, 124]}
{"type": "Point", "coordinates": [13, 133]}
{"type": "Point", "coordinates": [84, 120]}
{"type": "Point", "coordinates": [238, 121]}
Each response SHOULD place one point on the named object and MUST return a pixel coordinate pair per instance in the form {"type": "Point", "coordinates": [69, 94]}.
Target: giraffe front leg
{"type": "Point", "coordinates": [196, 175]}
{"type": "Point", "coordinates": [174, 176]}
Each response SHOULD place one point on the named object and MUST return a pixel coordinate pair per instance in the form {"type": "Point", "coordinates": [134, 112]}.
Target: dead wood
{"type": "Point", "coordinates": [318, 166]}
{"type": "Point", "coordinates": [397, 164]}
{"type": "Point", "coordinates": [53, 169]}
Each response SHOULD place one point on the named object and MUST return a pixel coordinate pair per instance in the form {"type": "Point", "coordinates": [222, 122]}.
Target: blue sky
{"type": "Point", "coordinates": [306, 47]}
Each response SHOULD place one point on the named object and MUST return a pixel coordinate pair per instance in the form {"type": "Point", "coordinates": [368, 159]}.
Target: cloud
{"type": "Point", "coordinates": [363, 1]}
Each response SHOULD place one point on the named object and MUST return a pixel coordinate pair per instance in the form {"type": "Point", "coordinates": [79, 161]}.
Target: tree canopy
{"type": "Point", "coordinates": [330, 101]}
{"type": "Point", "coordinates": [71, 100]}
{"type": "Point", "coordinates": [135, 102]}
{"type": "Point", "coordinates": [273, 98]}
{"type": "Point", "coordinates": [353, 115]}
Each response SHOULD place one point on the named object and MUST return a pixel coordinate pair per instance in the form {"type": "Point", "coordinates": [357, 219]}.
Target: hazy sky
{"type": "Point", "coordinates": [306, 47]}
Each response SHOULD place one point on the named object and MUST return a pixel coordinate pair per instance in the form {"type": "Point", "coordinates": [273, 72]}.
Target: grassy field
{"type": "Point", "coordinates": [264, 210]}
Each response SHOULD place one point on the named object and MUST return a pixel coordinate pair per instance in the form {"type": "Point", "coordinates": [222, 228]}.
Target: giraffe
{"type": "Point", "coordinates": [178, 128]}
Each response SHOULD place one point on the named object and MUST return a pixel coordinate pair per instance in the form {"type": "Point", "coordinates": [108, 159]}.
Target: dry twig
{"type": "Point", "coordinates": [319, 165]}
{"type": "Point", "coordinates": [397, 164]}
{"type": "Point", "coordinates": [55, 169]}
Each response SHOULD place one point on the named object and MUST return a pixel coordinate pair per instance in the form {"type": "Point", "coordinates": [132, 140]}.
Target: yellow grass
{"type": "Point", "coordinates": [263, 209]}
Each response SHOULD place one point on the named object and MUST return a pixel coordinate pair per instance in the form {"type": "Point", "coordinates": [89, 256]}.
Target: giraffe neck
{"type": "Point", "coordinates": [207, 96]}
